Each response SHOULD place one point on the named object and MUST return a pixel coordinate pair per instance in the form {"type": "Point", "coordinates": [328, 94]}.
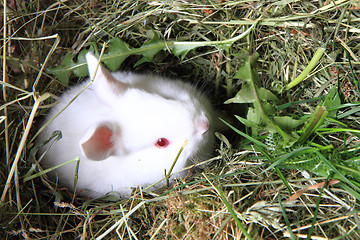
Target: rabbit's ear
{"type": "Point", "coordinates": [101, 141]}
{"type": "Point", "coordinates": [105, 85]}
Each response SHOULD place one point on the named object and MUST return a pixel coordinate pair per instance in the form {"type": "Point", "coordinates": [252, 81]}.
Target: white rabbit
{"type": "Point", "coordinates": [127, 130]}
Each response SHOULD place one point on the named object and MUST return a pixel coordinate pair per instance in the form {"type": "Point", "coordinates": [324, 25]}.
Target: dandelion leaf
{"type": "Point", "coordinates": [118, 52]}
{"type": "Point", "coordinates": [288, 123]}
{"type": "Point", "coordinates": [245, 95]}
{"type": "Point", "coordinates": [62, 71]}
{"type": "Point", "coordinates": [150, 49]}
{"type": "Point", "coordinates": [181, 49]}
{"type": "Point", "coordinates": [261, 113]}
{"type": "Point", "coordinates": [266, 95]}
{"type": "Point", "coordinates": [80, 69]}
{"type": "Point", "coordinates": [247, 122]}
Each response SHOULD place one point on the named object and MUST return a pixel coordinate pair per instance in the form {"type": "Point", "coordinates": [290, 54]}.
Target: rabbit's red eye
{"type": "Point", "coordinates": [162, 143]}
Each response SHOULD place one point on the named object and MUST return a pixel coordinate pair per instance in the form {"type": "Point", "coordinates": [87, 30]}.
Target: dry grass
{"type": "Point", "coordinates": [238, 195]}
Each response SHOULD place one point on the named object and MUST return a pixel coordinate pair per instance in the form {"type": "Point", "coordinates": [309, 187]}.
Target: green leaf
{"type": "Point", "coordinates": [288, 123]}
{"type": "Point", "coordinates": [247, 122]}
{"type": "Point", "coordinates": [62, 71]}
{"type": "Point", "coordinates": [119, 50]}
{"type": "Point", "coordinates": [260, 114]}
{"type": "Point", "coordinates": [332, 100]}
{"type": "Point", "coordinates": [266, 95]}
{"type": "Point", "coordinates": [81, 69]}
{"type": "Point", "coordinates": [268, 109]}
{"type": "Point", "coordinates": [245, 95]}
{"type": "Point", "coordinates": [247, 72]}
{"type": "Point", "coordinates": [181, 49]}
{"type": "Point", "coordinates": [117, 53]}
{"type": "Point", "coordinates": [248, 93]}
{"type": "Point", "coordinates": [150, 49]}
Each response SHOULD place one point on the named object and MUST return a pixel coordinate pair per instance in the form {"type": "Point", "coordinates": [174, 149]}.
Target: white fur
{"type": "Point", "coordinates": [146, 109]}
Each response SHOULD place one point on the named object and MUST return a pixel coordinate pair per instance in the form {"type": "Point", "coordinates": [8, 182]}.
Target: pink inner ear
{"type": "Point", "coordinates": [202, 124]}
{"type": "Point", "coordinates": [100, 145]}
{"type": "Point", "coordinates": [102, 137]}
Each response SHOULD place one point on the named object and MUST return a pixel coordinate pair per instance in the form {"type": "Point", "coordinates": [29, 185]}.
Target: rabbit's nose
{"type": "Point", "coordinates": [202, 124]}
